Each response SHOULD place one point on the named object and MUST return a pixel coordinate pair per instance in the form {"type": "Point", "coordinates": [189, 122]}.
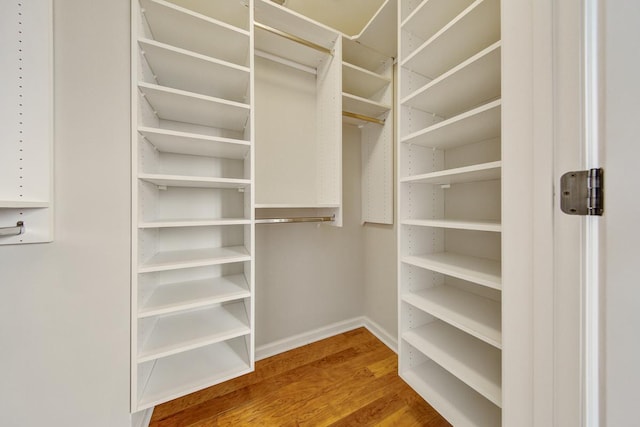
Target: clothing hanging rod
{"type": "Point", "coordinates": [362, 117]}
{"type": "Point", "coordinates": [17, 230]}
{"type": "Point", "coordinates": [294, 38]}
{"type": "Point", "coordinates": [296, 219]}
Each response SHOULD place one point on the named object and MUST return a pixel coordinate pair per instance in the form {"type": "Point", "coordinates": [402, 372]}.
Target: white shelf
{"type": "Point", "coordinates": [432, 16]}
{"type": "Point", "coordinates": [381, 31]}
{"type": "Point", "coordinates": [474, 29]}
{"type": "Point", "coordinates": [480, 124]}
{"type": "Point", "coordinates": [20, 204]}
{"type": "Point", "coordinates": [485, 272]}
{"type": "Point", "coordinates": [180, 27]}
{"type": "Point", "coordinates": [234, 13]}
{"type": "Point", "coordinates": [193, 222]}
{"type": "Point", "coordinates": [366, 107]}
{"type": "Point", "coordinates": [193, 181]}
{"type": "Point", "coordinates": [474, 362]}
{"type": "Point", "coordinates": [475, 173]}
{"type": "Point", "coordinates": [189, 107]}
{"type": "Point", "coordinates": [362, 56]}
{"type": "Point", "coordinates": [473, 82]}
{"type": "Point", "coordinates": [457, 402]}
{"type": "Point", "coordinates": [170, 141]}
{"type": "Point", "coordinates": [360, 82]}
{"type": "Point", "coordinates": [273, 44]}
{"type": "Point", "coordinates": [473, 314]}
{"type": "Point", "coordinates": [182, 332]}
{"type": "Point", "coordinates": [193, 72]}
{"type": "Point", "coordinates": [295, 206]}
{"type": "Point", "coordinates": [174, 297]}
{"type": "Point", "coordinates": [457, 224]}
{"type": "Point", "coordinates": [173, 260]}
{"type": "Point", "coordinates": [187, 372]}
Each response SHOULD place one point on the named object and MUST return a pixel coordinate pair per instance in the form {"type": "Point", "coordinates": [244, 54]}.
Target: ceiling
{"type": "Point", "coordinates": [347, 16]}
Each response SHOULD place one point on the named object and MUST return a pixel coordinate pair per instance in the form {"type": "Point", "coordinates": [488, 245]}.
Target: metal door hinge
{"type": "Point", "coordinates": [582, 192]}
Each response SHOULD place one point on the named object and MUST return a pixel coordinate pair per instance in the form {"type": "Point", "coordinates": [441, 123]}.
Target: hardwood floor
{"type": "Point", "coordinates": [346, 380]}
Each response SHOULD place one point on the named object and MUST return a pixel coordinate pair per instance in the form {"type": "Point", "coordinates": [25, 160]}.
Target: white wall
{"type": "Point", "coordinates": [64, 306]}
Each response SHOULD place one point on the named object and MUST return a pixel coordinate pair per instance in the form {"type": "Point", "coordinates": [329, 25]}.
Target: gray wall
{"type": "Point", "coordinates": [64, 306]}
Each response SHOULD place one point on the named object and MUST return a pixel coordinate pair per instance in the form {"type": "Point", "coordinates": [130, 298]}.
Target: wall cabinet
{"type": "Point", "coordinates": [449, 243]}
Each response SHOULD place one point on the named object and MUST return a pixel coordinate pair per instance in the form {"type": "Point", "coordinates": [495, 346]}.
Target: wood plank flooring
{"type": "Point", "coordinates": [346, 380]}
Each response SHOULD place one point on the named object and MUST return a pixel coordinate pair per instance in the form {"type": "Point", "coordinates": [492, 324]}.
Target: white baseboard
{"type": "Point", "coordinates": [286, 344]}
{"type": "Point", "coordinates": [142, 418]}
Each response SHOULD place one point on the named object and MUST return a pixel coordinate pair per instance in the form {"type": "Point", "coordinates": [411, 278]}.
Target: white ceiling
{"type": "Point", "coordinates": [347, 16]}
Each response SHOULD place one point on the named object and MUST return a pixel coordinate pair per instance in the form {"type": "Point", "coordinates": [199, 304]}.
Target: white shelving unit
{"type": "Point", "coordinates": [193, 197]}
{"type": "Point", "coordinates": [299, 131]}
{"type": "Point", "coordinates": [367, 102]}
{"type": "Point", "coordinates": [449, 185]}
{"type": "Point", "coordinates": [26, 120]}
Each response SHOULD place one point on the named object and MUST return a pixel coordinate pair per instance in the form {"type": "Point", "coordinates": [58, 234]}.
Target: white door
{"type": "Point", "coordinates": [596, 311]}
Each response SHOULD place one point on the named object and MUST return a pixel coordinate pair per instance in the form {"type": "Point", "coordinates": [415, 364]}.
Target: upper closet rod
{"type": "Point", "coordinates": [294, 38]}
{"type": "Point", "coordinates": [362, 117]}
{"type": "Point", "coordinates": [296, 219]}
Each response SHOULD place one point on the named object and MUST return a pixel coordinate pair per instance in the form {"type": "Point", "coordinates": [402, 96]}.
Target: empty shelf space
{"type": "Point", "coordinates": [170, 141]}
{"type": "Point", "coordinates": [193, 222]}
{"type": "Point", "coordinates": [274, 44]}
{"type": "Point", "coordinates": [473, 314]}
{"type": "Point", "coordinates": [193, 72]}
{"type": "Point", "coordinates": [473, 82]}
{"type": "Point", "coordinates": [182, 332]}
{"type": "Point", "coordinates": [483, 271]}
{"type": "Point", "coordinates": [360, 82]}
{"type": "Point", "coordinates": [189, 107]}
{"type": "Point", "coordinates": [456, 401]}
{"type": "Point", "coordinates": [173, 297]}
{"type": "Point", "coordinates": [363, 56]}
{"type": "Point", "coordinates": [433, 15]}
{"type": "Point", "coordinates": [193, 181]}
{"type": "Point", "coordinates": [474, 362]}
{"type": "Point", "coordinates": [234, 13]}
{"type": "Point", "coordinates": [475, 173]}
{"type": "Point", "coordinates": [480, 124]}
{"type": "Point", "coordinates": [365, 107]}
{"type": "Point", "coordinates": [472, 30]}
{"type": "Point", "coordinates": [23, 204]}
{"type": "Point", "coordinates": [172, 260]}
{"type": "Point", "coordinates": [190, 371]}
{"type": "Point", "coordinates": [456, 224]}
{"type": "Point", "coordinates": [205, 35]}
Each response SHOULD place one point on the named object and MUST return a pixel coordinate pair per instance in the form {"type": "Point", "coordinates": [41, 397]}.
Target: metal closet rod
{"type": "Point", "coordinates": [362, 117]}
{"type": "Point", "coordinates": [16, 230]}
{"type": "Point", "coordinates": [294, 38]}
{"type": "Point", "coordinates": [290, 220]}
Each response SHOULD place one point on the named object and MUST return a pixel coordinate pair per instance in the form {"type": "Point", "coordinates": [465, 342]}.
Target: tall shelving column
{"type": "Point", "coordinates": [193, 197]}
{"type": "Point", "coordinates": [449, 240]}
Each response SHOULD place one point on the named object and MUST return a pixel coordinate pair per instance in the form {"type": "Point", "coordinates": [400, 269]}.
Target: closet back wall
{"type": "Point", "coordinates": [310, 276]}
{"type": "Point", "coordinates": [64, 306]}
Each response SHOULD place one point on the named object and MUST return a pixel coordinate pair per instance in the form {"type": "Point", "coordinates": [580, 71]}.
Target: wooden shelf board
{"type": "Point", "coordinates": [475, 173]}
{"type": "Point", "coordinates": [472, 30]}
{"type": "Point", "coordinates": [480, 124]}
{"type": "Point", "coordinates": [471, 313]}
{"type": "Point", "coordinates": [474, 362]}
{"type": "Point", "coordinates": [181, 69]}
{"type": "Point", "coordinates": [432, 16]}
{"type": "Point", "coordinates": [468, 85]}
{"type": "Point", "coordinates": [205, 35]}
{"type": "Point", "coordinates": [170, 141]}
{"type": "Point", "coordinates": [493, 226]}
{"type": "Point", "coordinates": [457, 402]}
{"type": "Point", "coordinates": [182, 332]}
{"type": "Point", "coordinates": [361, 82]}
{"type": "Point", "coordinates": [366, 107]}
{"type": "Point", "coordinates": [193, 181]}
{"type": "Point", "coordinates": [189, 107]}
{"type": "Point", "coordinates": [173, 260]}
{"type": "Point", "coordinates": [174, 297]}
{"type": "Point", "coordinates": [23, 204]}
{"type": "Point", "coordinates": [187, 372]}
{"type": "Point", "coordinates": [482, 271]}
{"type": "Point", "coordinates": [173, 223]}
